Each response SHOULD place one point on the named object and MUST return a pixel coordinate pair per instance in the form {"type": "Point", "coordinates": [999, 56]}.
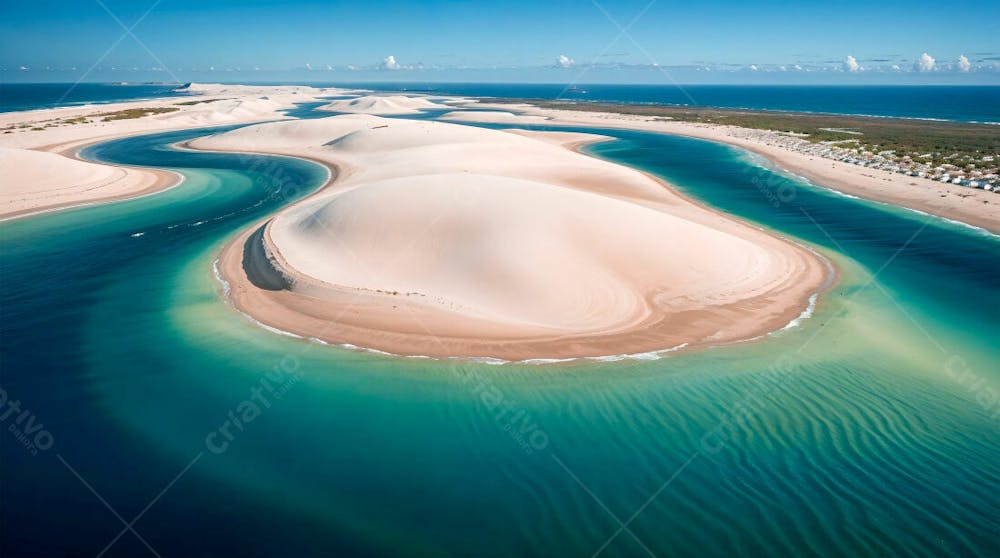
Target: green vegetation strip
{"type": "Point", "coordinates": [192, 103]}
{"type": "Point", "coordinates": [129, 114]}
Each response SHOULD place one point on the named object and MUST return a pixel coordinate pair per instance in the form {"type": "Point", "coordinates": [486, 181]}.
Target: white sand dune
{"type": "Point", "coordinates": [245, 90]}
{"type": "Point", "coordinates": [520, 252]}
{"type": "Point", "coordinates": [493, 117]}
{"type": "Point", "coordinates": [35, 180]}
{"type": "Point", "coordinates": [441, 239]}
{"type": "Point", "coordinates": [457, 100]}
{"type": "Point", "coordinates": [379, 104]}
{"type": "Point", "coordinates": [40, 181]}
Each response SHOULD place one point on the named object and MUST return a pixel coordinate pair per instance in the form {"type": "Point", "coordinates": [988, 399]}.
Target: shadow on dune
{"type": "Point", "coordinates": [258, 267]}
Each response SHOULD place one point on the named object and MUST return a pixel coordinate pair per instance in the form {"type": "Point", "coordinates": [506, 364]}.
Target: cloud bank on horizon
{"type": "Point", "coordinates": [850, 64]}
{"type": "Point", "coordinates": [925, 64]}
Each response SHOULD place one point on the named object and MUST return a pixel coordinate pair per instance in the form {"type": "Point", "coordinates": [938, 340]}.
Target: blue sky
{"type": "Point", "coordinates": [587, 41]}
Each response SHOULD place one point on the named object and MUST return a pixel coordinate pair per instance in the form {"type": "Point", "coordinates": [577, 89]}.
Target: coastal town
{"type": "Point", "coordinates": [954, 168]}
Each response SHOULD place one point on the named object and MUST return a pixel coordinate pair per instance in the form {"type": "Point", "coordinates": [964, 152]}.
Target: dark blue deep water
{"type": "Point", "coordinates": [972, 104]}
{"type": "Point", "coordinates": [964, 103]}
{"type": "Point", "coordinates": [31, 96]}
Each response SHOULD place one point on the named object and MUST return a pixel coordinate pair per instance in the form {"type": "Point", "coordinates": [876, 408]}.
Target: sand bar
{"type": "Point", "coordinates": [442, 240]}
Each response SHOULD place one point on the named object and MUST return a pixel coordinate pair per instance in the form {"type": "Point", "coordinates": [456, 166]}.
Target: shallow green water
{"type": "Point", "coordinates": [871, 429]}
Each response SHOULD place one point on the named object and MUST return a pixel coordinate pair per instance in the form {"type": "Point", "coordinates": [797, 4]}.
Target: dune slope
{"type": "Point", "coordinates": [382, 104]}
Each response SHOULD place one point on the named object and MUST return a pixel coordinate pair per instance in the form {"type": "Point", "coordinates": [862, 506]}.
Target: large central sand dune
{"type": "Point", "coordinates": [446, 240]}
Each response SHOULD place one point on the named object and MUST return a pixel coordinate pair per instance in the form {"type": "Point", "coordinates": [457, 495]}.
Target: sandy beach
{"type": "Point", "coordinates": [39, 181]}
{"type": "Point", "coordinates": [967, 205]}
{"type": "Point", "coordinates": [38, 148]}
{"type": "Point", "coordinates": [441, 240]}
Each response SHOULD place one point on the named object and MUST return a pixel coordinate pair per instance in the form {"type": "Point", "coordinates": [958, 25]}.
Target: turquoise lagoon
{"type": "Point", "coordinates": [871, 428]}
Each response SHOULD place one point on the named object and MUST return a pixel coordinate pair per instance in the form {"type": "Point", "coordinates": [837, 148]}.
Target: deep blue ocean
{"type": "Point", "coordinates": [962, 103]}
{"type": "Point", "coordinates": [31, 96]}
{"type": "Point", "coordinates": [970, 104]}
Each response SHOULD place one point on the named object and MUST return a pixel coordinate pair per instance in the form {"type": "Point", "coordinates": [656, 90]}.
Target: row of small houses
{"type": "Point", "coordinates": [984, 183]}
{"type": "Point", "coordinates": [988, 182]}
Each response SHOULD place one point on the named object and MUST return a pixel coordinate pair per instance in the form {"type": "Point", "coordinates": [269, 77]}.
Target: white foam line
{"type": "Point", "coordinates": [805, 315]}
{"type": "Point", "coordinates": [976, 228]}
{"type": "Point", "coordinates": [275, 330]}
{"type": "Point", "coordinates": [494, 361]}
{"type": "Point", "coordinates": [220, 279]}
{"type": "Point", "coordinates": [831, 274]}
{"type": "Point", "coordinates": [650, 355]}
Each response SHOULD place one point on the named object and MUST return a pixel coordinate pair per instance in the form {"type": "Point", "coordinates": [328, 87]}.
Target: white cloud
{"type": "Point", "coordinates": [390, 63]}
{"type": "Point", "coordinates": [924, 64]}
{"type": "Point", "coordinates": [564, 61]}
{"type": "Point", "coordinates": [963, 64]}
{"type": "Point", "coordinates": [851, 64]}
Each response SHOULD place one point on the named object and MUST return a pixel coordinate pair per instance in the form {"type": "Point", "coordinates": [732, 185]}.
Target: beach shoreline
{"type": "Point", "coordinates": [137, 182]}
